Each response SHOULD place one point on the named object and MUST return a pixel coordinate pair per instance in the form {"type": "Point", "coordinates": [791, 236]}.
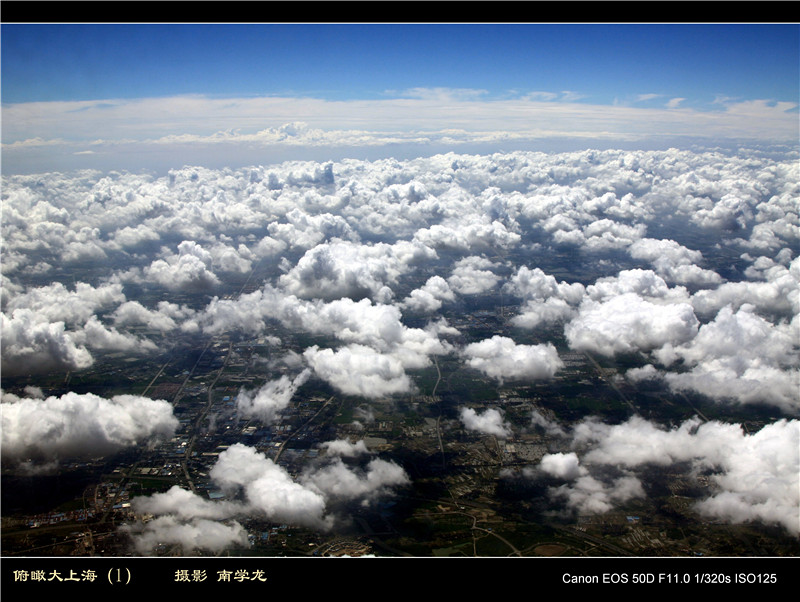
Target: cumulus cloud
{"type": "Point", "coordinates": [97, 335]}
{"type": "Point", "coordinates": [304, 229]}
{"type": "Point", "coordinates": [165, 318]}
{"type": "Point", "coordinates": [686, 258]}
{"type": "Point", "coordinates": [644, 283]}
{"type": "Point", "coordinates": [429, 297]}
{"type": "Point", "coordinates": [536, 312]}
{"type": "Point", "coordinates": [267, 402]}
{"type": "Point", "coordinates": [257, 487]}
{"type": "Point", "coordinates": [593, 496]}
{"type": "Point", "coordinates": [56, 303]}
{"type": "Point", "coordinates": [739, 356]}
{"type": "Point", "coordinates": [674, 261]}
{"type": "Point", "coordinates": [546, 300]}
{"type": "Point", "coordinates": [344, 448]}
{"type": "Point", "coordinates": [189, 269]}
{"type": "Point", "coordinates": [472, 235]}
{"type": "Point", "coordinates": [193, 535]}
{"type": "Point", "coordinates": [775, 290]}
{"type": "Point", "coordinates": [336, 481]}
{"type": "Point", "coordinates": [367, 325]}
{"type": "Point", "coordinates": [267, 488]}
{"type": "Point", "coordinates": [606, 234]}
{"type": "Point", "coordinates": [379, 325]}
{"type": "Point", "coordinates": [756, 474]}
{"type": "Point", "coordinates": [129, 237]}
{"type": "Point", "coordinates": [583, 492]}
{"type": "Point", "coordinates": [183, 504]}
{"type": "Point", "coordinates": [473, 275]}
{"type": "Point", "coordinates": [80, 425]}
{"type": "Point", "coordinates": [343, 269]}
{"type": "Point", "coordinates": [536, 284]}
{"type": "Point", "coordinates": [360, 370]}
{"type": "Point", "coordinates": [490, 422]}
{"type": "Point", "coordinates": [562, 465]}
{"type": "Point", "coordinates": [627, 323]}
{"type": "Point", "coordinates": [31, 345]}
{"type": "Point", "coordinates": [503, 359]}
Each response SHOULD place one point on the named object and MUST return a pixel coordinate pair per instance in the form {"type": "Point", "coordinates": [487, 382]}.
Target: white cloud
{"type": "Point", "coordinates": [757, 474]}
{"type": "Point", "coordinates": [562, 465]}
{"type": "Point", "coordinates": [545, 300]}
{"type": "Point", "coordinates": [429, 297]}
{"type": "Point", "coordinates": [31, 345]}
{"type": "Point", "coordinates": [165, 318]}
{"type": "Point", "coordinates": [271, 399]}
{"type": "Point", "coordinates": [754, 475]}
{"type": "Point", "coordinates": [190, 269]}
{"type": "Point", "coordinates": [779, 293]}
{"type": "Point", "coordinates": [268, 488]}
{"type": "Point", "coordinates": [472, 233]}
{"type": "Point", "coordinates": [627, 323]}
{"type": "Point", "coordinates": [591, 495]}
{"type": "Point", "coordinates": [192, 122]}
{"type": "Point", "coordinates": [501, 358]}
{"type": "Point", "coordinates": [375, 329]}
{"type": "Point", "coordinates": [192, 536]}
{"type": "Point", "coordinates": [343, 447]}
{"type": "Point", "coordinates": [674, 261]}
{"type": "Point", "coordinates": [584, 493]}
{"type": "Point", "coordinates": [338, 251]}
{"type": "Point", "coordinates": [338, 481]}
{"type": "Point", "coordinates": [133, 236]}
{"type": "Point", "coordinates": [473, 275]}
{"type": "Point", "coordinates": [52, 328]}
{"type": "Point", "coordinates": [183, 504]}
{"type": "Point", "coordinates": [98, 336]}
{"type": "Point", "coordinates": [360, 370]}
{"type": "Point", "coordinates": [490, 422]}
{"type": "Point", "coordinates": [56, 303]}
{"type": "Point", "coordinates": [261, 489]}
{"type": "Point", "coordinates": [343, 269]}
{"type": "Point", "coordinates": [739, 356]}
{"type": "Point", "coordinates": [81, 424]}
{"type": "Point", "coordinates": [605, 234]}
{"type": "Point", "coordinates": [644, 283]}
{"type": "Point", "coordinates": [536, 284]}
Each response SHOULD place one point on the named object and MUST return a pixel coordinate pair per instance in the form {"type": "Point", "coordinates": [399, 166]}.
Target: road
{"type": "Point", "coordinates": [610, 381]}
{"type": "Point", "coordinates": [192, 440]}
{"type": "Point", "coordinates": [309, 421]}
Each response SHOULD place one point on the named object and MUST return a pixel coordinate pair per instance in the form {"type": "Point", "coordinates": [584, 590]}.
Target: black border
{"type": "Point", "coordinates": [125, 576]}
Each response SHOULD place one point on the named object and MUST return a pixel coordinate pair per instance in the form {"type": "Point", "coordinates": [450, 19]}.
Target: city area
{"type": "Point", "coordinates": [466, 495]}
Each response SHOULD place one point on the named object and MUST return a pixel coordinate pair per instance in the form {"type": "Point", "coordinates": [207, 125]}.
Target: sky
{"type": "Point", "coordinates": [155, 94]}
{"type": "Point", "coordinates": [601, 63]}
{"type": "Point", "coordinates": [353, 174]}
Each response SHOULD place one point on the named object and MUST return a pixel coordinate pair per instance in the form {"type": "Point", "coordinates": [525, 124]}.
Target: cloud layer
{"type": "Point", "coordinates": [241, 127]}
{"type": "Point", "coordinates": [257, 487]}
{"type": "Point", "coordinates": [367, 276]}
{"type": "Point", "coordinates": [755, 475]}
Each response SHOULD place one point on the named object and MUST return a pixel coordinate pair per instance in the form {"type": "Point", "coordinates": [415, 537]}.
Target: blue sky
{"type": "Point", "coordinates": [82, 84]}
{"type": "Point", "coordinates": [598, 62]}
